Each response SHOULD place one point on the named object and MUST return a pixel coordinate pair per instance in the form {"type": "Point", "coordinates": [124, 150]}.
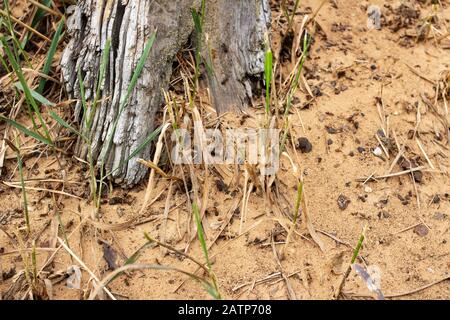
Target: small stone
{"type": "Point", "coordinates": [421, 230]}
{"type": "Point", "coordinates": [331, 130]}
{"type": "Point", "coordinates": [361, 149]}
{"type": "Point", "coordinates": [368, 189]}
{"type": "Point", "coordinates": [304, 145]}
{"type": "Point", "coordinates": [120, 212]}
{"type": "Point", "coordinates": [439, 216]}
{"type": "Point", "coordinates": [221, 186]}
{"type": "Point", "coordinates": [418, 175]}
{"type": "Point", "coordinates": [381, 133]}
{"type": "Point", "coordinates": [436, 199]}
{"type": "Point", "coordinates": [115, 201]}
{"type": "Point", "coordinates": [383, 215]}
{"type": "Point", "coordinates": [377, 151]}
{"type": "Point", "coordinates": [408, 165]}
{"type": "Point", "coordinates": [343, 202]}
{"type": "Point", "coordinates": [362, 198]}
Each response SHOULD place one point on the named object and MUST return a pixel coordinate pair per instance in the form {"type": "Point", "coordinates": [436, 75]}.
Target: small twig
{"type": "Point", "coordinates": [85, 267]}
{"type": "Point", "coordinates": [396, 174]}
{"type": "Point", "coordinates": [408, 228]}
{"type": "Point", "coordinates": [399, 155]}
{"type": "Point", "coordinates": [424, 153]}
{"type": "Point", "coordinates": [420, 75]}
{"type": "Point", "coordinates": [45, 8]}
{"type": "Point", "coordinates": [382, 145]}
{"type": "Point", "coordinates": [396, 295]}
{"type": "Point", "coordinates": [5, 14]}
{"type": "Point", "coordinates": [290, 291]}
{"type": "Point", "coordinates": [333, 237]}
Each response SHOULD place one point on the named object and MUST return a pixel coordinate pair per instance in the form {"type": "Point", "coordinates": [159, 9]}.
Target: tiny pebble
{"type": "Point", "coordinates": [421, 230]}
{"type": "Point", "coordinates": [377, 151]}
{"type": "Point", "coordinates": [343, 202]}
{"type": "Point", "coordinates": [439, 216]}
{"type": "Point", "coordinates": [304, 145]}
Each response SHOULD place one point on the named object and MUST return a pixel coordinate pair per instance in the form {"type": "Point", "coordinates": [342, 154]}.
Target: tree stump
{"type": "Point", "coordinates": [235, 31]}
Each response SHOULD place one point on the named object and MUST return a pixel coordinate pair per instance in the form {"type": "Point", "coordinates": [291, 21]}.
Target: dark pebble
{"type": "Point", "coordinates": [343, 202]}
{"type": "Point", "coordinates": [381, 133]}
{"type": "Point", "coordinates": [418, 176]}
{"type": "Point", "coordinates": [436, 199]}
{"type": "Point", "coordinates": [221, 186]}
{"type": "Point", "coordinates": [116, 200]}
{"type": "Point", "coordinates": [439, 216]}
{"type": "Point", "coordinates": [383, 215]}
{"type": "Point", "coordinates": [304, 145]}
{"type": "Point", "coordinates": [421, 230]}
{"type": "Point", "coordinates": [331, 130]}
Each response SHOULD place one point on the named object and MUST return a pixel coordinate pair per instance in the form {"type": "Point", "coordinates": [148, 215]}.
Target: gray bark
{"type": "Point", "coordinates": [235, 31]}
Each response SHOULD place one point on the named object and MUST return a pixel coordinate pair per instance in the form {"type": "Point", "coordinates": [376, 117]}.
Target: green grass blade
{"type": "Point", "coordinates": [62, 122]}
{"type": "Point", "coordinates": [198, 26]}
{"type": "Point", "coordinates": [147, 140]}
{"type": "Point", "coordinates": [40, 13]}
{"type": "Point", "coordinates": [197, 21]}
{"type": "Point", "coordinates": [82, 92]}
{"type": "Point", "coordinates": [358, 246]}
{"type": "Point", "coordinates": [135, 256]}
{"type": "Point", "coordinates": [268, 67]}
{"type": "Point", "coordinates": [16, 44]}
{"type": "Point", "coordinates": [34, 263]}
{"type": "Point", "coordinates": [26, 89]}
{"type": "Point", "coordinates": [24, 192]}
{"type": "Point", "coordinates": [131, 85]}
{"type": "Point", "coordinates": [51, 54]}
{"type": "Point", "coordinates": [291, 18]}
{"type": "Point", "coordinates": [101, 76]}
{"type": "Point", "coordinates": [15, 148]}
{"type": "Point", "coordinates": [138, 70]}
{"type": "Point", "coordinates": [298, 200]}
{"type": "Point", "coordinates": [201, 234]}
{"type": "Point", "coordinates": [36, 20]}
{"type": "Point", "coordinates": [26, 131]}
{"type": "Point", "coordinates": [62, 228]}
{"type": "Point", "coordinates": [35, 95]}
{"type": "Point", "coordinates": [293, 89]}
{"type": "Point", "coordinates": [212, 291]}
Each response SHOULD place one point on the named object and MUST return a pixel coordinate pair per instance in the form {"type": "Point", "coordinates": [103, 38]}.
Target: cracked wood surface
{"type": "Point", "coordinates": [235, 31]}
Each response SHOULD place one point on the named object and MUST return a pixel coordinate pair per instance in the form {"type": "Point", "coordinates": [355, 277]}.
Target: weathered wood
{"type": "Point", "coordinates": [235, 31]}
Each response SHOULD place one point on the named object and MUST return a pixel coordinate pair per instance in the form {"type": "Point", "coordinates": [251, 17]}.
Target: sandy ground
{"type": "Point", "coordinates": [350, 70]}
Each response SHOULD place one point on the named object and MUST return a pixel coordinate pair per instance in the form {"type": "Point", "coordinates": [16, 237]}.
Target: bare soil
{"type": "Point", "coordinates": [350, 70]}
